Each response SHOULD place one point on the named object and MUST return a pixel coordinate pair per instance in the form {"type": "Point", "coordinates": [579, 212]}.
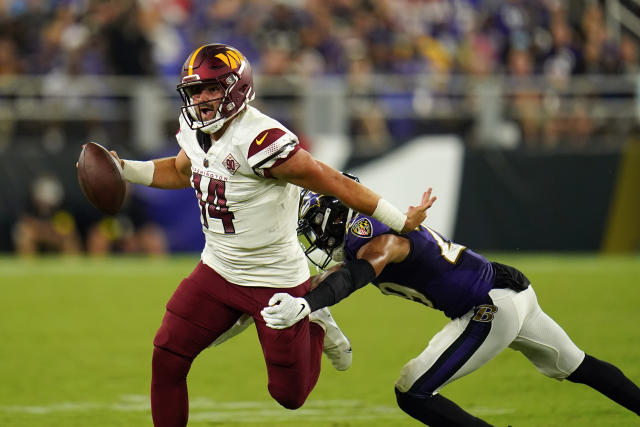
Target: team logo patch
{"type": "Point", "coordinates": [231, 164]}
{"type": "Point", "coordinates": [362, 228]}
{"type": "Point", "coordinates": [485, 313]}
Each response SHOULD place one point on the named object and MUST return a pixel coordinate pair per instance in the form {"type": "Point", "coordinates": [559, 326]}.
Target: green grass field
{"type": "Point", "coordinates": [75, 349]}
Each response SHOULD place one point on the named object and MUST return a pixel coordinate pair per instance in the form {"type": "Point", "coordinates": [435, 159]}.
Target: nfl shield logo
{"type": "Point", "coordinates": [231, 164]}
{"type": "Point", "coordinates": [205, 162]}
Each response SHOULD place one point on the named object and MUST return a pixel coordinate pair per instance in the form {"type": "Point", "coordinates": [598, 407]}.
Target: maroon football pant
{"type": "Point", "coordinates": [203, 307]}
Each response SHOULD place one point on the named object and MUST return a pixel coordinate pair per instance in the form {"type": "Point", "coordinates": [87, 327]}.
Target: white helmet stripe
{"type": "Point", "coordinates": [327, 212]}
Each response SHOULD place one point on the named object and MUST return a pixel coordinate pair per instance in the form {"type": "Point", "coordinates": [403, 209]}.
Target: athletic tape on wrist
{"type": "Point", "coordinates": [387, 213]}
{"type": "Point", "coordinates": [138, 172]}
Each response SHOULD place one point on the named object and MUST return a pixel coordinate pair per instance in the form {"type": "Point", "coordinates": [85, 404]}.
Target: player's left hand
{"type": "Point", "coordinates": [417, 214]}
{"type": "Point", "coordinates": [284, 311]}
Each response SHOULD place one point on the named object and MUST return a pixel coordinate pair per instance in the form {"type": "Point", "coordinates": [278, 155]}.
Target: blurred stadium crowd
{"type": "Point", "coordinates": [144, 37]}
{"type": "Point", "coordinates": [517, 74]}
{"type": "Point", "coordinates": [541, 47]}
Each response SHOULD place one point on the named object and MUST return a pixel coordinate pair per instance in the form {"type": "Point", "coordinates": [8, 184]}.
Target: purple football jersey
{"type": "Point", "coordinates": [437, 272]}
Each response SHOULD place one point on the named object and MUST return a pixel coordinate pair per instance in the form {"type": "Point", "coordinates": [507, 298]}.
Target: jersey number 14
{"type": "Point", "coordinates": [214, 203]}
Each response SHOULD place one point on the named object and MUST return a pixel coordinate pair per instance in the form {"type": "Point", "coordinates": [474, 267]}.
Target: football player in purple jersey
{"type": "Point", "coordinates": [491, 306]}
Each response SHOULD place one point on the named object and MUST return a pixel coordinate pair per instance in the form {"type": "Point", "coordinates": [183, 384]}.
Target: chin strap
{"type": "Point", "coordinates": [215, 126]}
{"type": "Point", "coordinates": [220, 121]}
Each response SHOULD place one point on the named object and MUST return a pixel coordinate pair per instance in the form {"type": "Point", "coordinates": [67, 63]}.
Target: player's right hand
{"type": "Point", "coordinates": [114, 154]}
{"type": "Point", "coordinates": [285, 310]}
{"type": "Point", "coordinates": [417, 214]}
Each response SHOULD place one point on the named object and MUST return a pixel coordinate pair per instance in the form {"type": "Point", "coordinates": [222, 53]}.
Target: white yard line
{"type": "Point", "coordinates": [208, 410]}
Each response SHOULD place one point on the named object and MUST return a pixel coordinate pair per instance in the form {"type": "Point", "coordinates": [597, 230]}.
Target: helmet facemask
{"type": "Point", "coordinates": [194, 112]}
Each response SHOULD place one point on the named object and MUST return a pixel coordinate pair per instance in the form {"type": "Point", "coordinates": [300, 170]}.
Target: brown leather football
{"type": "Point", "coordinates": [100, 178]}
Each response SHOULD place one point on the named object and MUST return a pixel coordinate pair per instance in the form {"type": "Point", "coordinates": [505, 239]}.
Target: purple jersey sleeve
{"type": "Point", "coordinates": [362, 230]}
{"type": "Point", "coordinates": [437, 272]}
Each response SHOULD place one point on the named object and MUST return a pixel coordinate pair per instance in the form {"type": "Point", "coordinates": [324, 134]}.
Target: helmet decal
{"type": "Point", "coordinates": [231, 57]}
{"type": "Point", "coordinates": [307, 199]}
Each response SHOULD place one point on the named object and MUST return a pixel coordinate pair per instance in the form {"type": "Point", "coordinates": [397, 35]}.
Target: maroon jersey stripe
{"type": "Point", "coordinates": [264, 140]}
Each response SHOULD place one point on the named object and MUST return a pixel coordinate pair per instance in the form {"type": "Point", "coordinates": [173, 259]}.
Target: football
{"type": "Point", "coordinates": [100, 178]}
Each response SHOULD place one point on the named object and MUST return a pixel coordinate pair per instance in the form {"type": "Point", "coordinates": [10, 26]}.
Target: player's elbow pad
{"type": "Point", "coordinates": [341, 283]}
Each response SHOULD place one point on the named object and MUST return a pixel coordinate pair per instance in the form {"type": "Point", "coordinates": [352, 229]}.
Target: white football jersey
{"type": "Point", "coordinates": [249, 219]}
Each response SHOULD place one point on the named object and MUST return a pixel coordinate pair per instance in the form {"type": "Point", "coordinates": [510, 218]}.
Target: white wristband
{"type": "Point", "coordinates": [138, 172]}
{"type": "Point", "coordinates": [390, 215]}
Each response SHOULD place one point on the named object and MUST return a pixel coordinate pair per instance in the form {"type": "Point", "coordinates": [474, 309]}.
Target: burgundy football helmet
{"type": "Point", "coordinates": [215, 64]}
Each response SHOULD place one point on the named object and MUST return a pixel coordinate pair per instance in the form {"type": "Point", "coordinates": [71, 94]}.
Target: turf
{"type": "Point", "coordinates": [75, 347]}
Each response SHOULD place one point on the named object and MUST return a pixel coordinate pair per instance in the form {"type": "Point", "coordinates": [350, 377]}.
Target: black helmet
{"type": "Point", "coordinates": [322, 224]}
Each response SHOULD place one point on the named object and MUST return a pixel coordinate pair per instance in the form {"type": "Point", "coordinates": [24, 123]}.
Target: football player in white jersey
{"type": "Point", "coordinates": [245, 168]}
